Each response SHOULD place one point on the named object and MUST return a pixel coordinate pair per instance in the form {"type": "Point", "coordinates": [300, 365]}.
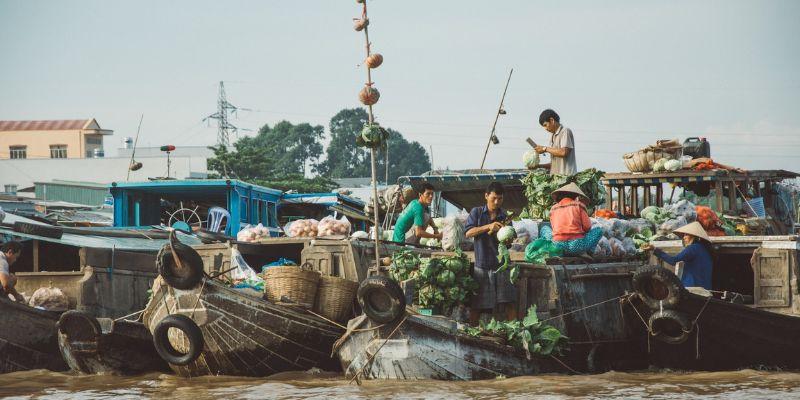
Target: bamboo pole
{"type": "Point", "coordinates": [375, 208]}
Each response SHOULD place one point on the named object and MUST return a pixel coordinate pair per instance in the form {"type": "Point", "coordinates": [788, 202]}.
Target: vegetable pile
{"type": "Point", "coordinates": [540, 185]}
{"type": "Point", "coordinates": [252, 234]}
{"type": "Point", "coordinates": [605, 213]}
{"type": "Point", "coordinates": [530, 334]}
{"type": "Point", "coordinates": [330, 226]}
{"type": "Point", "coordinates": [440, 282]}
{"type": "Point", "coordinates": [302, 228]}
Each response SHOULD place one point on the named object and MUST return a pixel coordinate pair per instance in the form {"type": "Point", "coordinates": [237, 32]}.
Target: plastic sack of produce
{"type": "Point", "coordinates": [540, 250]}
{"type": "Point", "coordinates": [617, 248]}
{"type": "Point", "coordinates": [330, 226]}
{"type": "Point", "coordinates": [639, 225]}
{"type": "Point", "coordinates": [453, 231]}
{"type": "Point", "coordinates": [302, 228]}
{"type": "Point", "coordinates": [243, 275]}
{"type": "Point", "coordinates": [527, 230]}
{"type": "Point", "coordinates": [360, 235]}
{"type": "Point", "coordinates": [683, 208]}
{"type": "Point", "coordinates": [603, 248]}
{"type": "Point", "coordinates": [629, 245]}
{"type": "Point", "coordinates": [252, 233]}
{"type": "Point", "coordinates": [50, 299]}
{"type": "Point", "coordinates": [708, 218]}
{"type": "Point", "coordinates": [670, 225]}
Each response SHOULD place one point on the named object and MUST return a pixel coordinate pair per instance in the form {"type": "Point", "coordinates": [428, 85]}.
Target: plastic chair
{"type": "Point", "coordinates": [215, 217]}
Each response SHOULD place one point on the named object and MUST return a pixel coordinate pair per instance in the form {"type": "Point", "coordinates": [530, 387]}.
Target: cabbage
{"type": "Point", "coordinates": [446, 278]}
{"type": "Point", "coordinates": [434, 243]}
{"type": "Point", "coordinates": [506, 234]}
{"type": "Point", "coordinates": [672, 165]}
{"type": "Point", "coordinates": [423, 241]}
{"type": "Point", "coordinates": [659, 165]}
{"type": "Point", "coordinates": [530, 159]}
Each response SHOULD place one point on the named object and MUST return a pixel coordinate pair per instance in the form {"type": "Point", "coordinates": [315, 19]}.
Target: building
{"type": "Point", "coordinates": [79, 138]}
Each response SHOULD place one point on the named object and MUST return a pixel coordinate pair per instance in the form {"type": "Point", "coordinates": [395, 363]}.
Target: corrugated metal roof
{"type": "Point", "coordinates": [45, 125]}
{"type": "Point", "coordinates": [465, 190]}
{"type": "Point", "coordinates": [104, 242]}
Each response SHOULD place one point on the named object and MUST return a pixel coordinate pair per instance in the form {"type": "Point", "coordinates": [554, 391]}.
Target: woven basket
{"type": "Point", "coordinates": [335, 297]}
{"type": "Point", "coordinates": [297, 284]}
{"type": "Point", "coordinates": [643, 160]}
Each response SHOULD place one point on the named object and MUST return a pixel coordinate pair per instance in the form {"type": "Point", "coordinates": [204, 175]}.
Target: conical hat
{"type": "Point", "coordinates": [570, 188]}
{"type": "Point", "coordinates": [694, 229]}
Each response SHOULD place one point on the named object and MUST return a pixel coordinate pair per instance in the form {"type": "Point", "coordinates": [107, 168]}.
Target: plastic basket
{"type": "Point", "coordinates": [756, 208]}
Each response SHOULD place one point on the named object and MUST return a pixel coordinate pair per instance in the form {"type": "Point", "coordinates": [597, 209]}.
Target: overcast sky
{"type": "Point", "coordinates": [621, 74]}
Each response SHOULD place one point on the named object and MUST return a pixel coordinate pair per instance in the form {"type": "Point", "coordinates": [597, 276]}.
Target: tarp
{"type": "Point", "coordinates": [103, 242]}
{"type": "Point", "coordinates": [465, 190]}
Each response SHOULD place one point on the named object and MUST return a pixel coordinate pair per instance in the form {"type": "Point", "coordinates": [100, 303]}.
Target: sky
{"type": "Point", "coordinates": [622, 74]}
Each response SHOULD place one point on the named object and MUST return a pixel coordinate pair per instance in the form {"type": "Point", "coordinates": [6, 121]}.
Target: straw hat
{"type": "Point", "coordinates": [570, 188]}
{"type": "Point", "coordinates": [694, 229]}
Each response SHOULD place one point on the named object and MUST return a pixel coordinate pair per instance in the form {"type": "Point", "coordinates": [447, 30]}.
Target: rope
{"type": "Point", "coordinates": [369, 360]}
{"type": "Point", "coordinates": [194, 308]}
{"type": "Point", "coordinates": [333, 322]}
{"type": "Point", "coordinates": [646, 326]}
{"type": "Point", "coordinates": [565, 365]}
{"type": "Point", "coordinates": [130, 315]}
{"type": "Point", "coordinates": [582, 308]}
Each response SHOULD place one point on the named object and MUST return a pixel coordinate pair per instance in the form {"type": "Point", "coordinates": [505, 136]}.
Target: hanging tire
{"type": "Point", "coordinates": [81, 330]}
{"type": "Point", "coordinates": [381, 299]}
{"type": "Point", "coordinates": [190, 330]}
{"type": "Point", "coordinates": [657, 287]}
{"type": "Point", "coordinates": [186, 277]}
{"type": "Point", "coordinates": [670, 326]}
{"type": "Point", "coordinates": [38, 230]}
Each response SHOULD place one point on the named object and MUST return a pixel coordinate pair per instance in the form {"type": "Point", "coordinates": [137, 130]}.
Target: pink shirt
{"type": "Point", "coordinates": [569, 220]}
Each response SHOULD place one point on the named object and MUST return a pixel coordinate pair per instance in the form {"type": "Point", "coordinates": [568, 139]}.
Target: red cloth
{"type": "Point", "coordinates": [569, 220]}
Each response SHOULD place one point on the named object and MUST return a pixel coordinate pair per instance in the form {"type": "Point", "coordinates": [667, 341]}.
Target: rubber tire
{"type": "Point", "coordinates": [74, 318]}
{"type": "Point", "coordinates": [38, 230]}
{"type": "Point", "coordinates": [644, 281]}
{"type": "Point", "coordinates": [167, 268]}
{"type": "Point", "coordinates": [381, 299]}
{"type": "Point", "coordinates": [190, 329]}
{"type": "Point", "coordinates": [675, 319]}
{"type": "Point", "coordinates": [207, 236]}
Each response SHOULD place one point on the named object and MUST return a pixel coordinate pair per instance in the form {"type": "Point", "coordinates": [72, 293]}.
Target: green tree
{"type": "Point", "coordinates": [345, 159]}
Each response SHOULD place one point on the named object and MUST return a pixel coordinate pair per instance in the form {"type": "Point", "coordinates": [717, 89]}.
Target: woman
{"type": "Point", "coordinates": [570, 228]}
{"type": "Point", "coordinates": [696, 255]}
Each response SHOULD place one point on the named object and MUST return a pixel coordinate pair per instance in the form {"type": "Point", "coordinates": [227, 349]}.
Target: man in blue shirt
{"type": "Point", "coordinates": [696, 257]}
{"type": "Point", "coordinates": [494, 289]}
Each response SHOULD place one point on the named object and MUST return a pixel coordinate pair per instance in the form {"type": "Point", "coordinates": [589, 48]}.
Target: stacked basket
{"type": "Point", "coordinates": [329, 296]}
{"type": "Point", "coordinates": [643, 160]}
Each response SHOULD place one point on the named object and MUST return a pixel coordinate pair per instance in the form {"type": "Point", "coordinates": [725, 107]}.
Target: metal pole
{"type": "Point", "coordinates": [496, 117]}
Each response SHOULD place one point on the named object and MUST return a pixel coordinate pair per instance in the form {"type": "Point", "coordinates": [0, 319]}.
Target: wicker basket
{"type": "Point", "coordinates": [297, 284]}
{"type": "Point", "coordinates": [335, 297]}
{"type": "Point", "coordinates": [643, 160]}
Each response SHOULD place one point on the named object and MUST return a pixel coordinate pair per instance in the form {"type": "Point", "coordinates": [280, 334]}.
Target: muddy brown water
{"type": "Point", "coordinates": [745, 384]}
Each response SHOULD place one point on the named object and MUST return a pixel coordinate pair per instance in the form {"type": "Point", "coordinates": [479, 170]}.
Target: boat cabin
{"type": "Point", "coordinates": [294, 206]}
{"type": "Point", "coordinates": [191, 203]}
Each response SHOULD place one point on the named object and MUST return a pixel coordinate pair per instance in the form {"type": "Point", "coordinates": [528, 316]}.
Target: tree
{"type": "Point", "coordinates": [345, 159]}
{"type": "Point", "coordinates": [276, 157]}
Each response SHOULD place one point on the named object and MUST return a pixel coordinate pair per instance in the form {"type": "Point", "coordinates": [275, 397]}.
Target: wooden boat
{"type": "Point", "coordinates": [698, 332]}
{"type": "Point", "coordinates": [583, 301]}
{"type": "Point", "coordinates": [105, 346]}
{"type": "Point", "coordinates": [28, 338]}
{"type": "Point", "coordinates": [241, 334]}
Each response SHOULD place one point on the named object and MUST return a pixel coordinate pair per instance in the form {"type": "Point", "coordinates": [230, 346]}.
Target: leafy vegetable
{"type": "Point", "coordinates": [530, 334]}
{"type": "Point", "coordinates": [530, 159]}
{"type": "Point", "coordinates": [506, 234]}
{"type": "Point", "coordinates": [540, 185]}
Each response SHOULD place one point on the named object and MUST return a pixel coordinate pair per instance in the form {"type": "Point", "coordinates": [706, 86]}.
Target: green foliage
{"type": "Point", "coordinates": [441, 282]}
{"type": "Point", "coordinates": [540, 185]}
{"type": "Point", "coordinates": [345, 159]}
{"type": "Point", "coordinates": [530, 334]}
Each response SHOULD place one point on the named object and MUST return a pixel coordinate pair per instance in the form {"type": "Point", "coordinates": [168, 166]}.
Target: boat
{"type": "Point", "coordinates": [105, 346]}
{"type": "Point", "coordinates": [28, 338]}
{"type": "Point", "coordinates": [749, 320]}
{"type": "Point", "coordinates": [227, 331]}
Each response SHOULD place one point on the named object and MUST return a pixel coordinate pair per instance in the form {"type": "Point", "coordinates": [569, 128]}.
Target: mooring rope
{"type": "Point", "coordinates": [369, 360]}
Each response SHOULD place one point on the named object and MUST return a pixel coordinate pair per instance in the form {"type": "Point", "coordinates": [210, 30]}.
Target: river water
{"type": "Point", "coordinates": [745, 384]}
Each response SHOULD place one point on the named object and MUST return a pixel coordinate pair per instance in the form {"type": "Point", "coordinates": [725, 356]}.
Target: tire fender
{"type": "Point", "coordinates": [190, 330]}
{"type": "Point", "coordinates": [670, 326]}
{"type": "Point", "coordinates": [658, 287]}
{"type": "Point", "coordinates": [381, 299]}
{"type": "Point", "coordinates": [185, 278]}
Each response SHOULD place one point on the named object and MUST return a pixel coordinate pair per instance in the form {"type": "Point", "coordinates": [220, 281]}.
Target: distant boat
{"type": "Point", "coordinates": [28, 338]}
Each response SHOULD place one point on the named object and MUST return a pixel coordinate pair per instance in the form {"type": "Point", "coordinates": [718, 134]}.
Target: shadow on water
{"type": "Point", "coordinates": [745, 384]}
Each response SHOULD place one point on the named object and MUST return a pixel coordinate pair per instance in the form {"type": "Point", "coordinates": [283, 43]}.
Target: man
{"type": "Point", "coordinates": [495, 290]}
{"type": "Point", "coordinates": [562, 145]}
{"type": "Point", "coordinates": [415, 215]}
{"type": "Point", "coordinates": [9, 253]}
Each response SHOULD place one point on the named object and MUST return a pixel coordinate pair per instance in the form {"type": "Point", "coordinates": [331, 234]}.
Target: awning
{"type": "Point", "coordinates": [466, 190]}
{"type": "Point", "coordinates": [104, 242]}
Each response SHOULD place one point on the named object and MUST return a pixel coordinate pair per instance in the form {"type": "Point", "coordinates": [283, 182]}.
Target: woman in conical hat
{"type": "Point", "coordinates": [570, 228]}
{"type": "Point", "coordinates": [696, 255]}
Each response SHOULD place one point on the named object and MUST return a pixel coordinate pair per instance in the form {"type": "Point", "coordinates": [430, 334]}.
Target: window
{"type": "Point", "coordinates": [243, 208]}
{"type": "Point", "coordinates": [94, 140]}
{"type": "Point", "coordinates": [18, 151]}
{"type": "Point", "coordinates": [272, 217]}
{"type": "Point", "coordinates": [11, 189]}
{"type": "Point", "coordinates": [58, 151]}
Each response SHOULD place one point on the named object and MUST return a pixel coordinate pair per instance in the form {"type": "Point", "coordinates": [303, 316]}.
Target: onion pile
{"type": "Point", "coordinates": [303, 228]}
{"type": "Point", "coordinates": [330, 226]}
{"type": "Point", "coordinates": [253, 234]}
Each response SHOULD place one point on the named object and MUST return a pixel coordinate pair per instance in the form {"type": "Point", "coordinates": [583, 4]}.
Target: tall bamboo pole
{"type": "Point", "coordinates": [375, 208]}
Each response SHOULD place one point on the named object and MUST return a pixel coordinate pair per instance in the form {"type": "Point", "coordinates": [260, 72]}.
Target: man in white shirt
{"type": "Point", "coordinates": [9, 253]}
{"type": "Point", "coordinates": [562, 144]}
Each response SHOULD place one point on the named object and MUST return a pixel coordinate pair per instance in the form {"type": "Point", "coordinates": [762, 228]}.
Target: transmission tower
{"type": "Point", "coordinates": [225, 127]}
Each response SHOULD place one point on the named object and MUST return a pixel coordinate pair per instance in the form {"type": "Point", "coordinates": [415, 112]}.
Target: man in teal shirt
{"type": "Point", "coordinates": [414, 215]}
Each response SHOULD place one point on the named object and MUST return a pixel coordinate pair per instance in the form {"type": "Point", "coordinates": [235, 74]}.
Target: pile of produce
{"type": "Point", "coordinates": [540, 185]}
{"type": "Point", "coordinates": [440, 282]}
{"type": "Point", "coordinates": [530, 159]}
{"type": "Point", "coordinates": [666, 164]}
{"type": "Point", "coordinates": [330, 226]}
{"type": "Point", "coordinates": [710, 221]}
{"type": "Point", "coordinates": [621, 237]}
{"type": "Point", "coordinates": [605, 213]}
{"type": "Point", "coordinates": [530, 334]}
{"type": "Point", "coordinates": [252, 233]}
{"type": "Point", "coordinates": [302, 228]}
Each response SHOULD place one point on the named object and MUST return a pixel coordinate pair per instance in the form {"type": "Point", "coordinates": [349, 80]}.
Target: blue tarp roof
{"type": "Point", "coordinates": [185, 186]}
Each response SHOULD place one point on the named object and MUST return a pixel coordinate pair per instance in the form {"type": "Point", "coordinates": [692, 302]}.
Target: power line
{"type": "Point", "coordinates": [225, 128]}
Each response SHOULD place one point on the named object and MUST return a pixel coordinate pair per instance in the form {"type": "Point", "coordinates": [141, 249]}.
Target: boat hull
{"type": "Point", "coordinates": [28, 339]}
{"type": "Point", "coordinates": [243, 335]}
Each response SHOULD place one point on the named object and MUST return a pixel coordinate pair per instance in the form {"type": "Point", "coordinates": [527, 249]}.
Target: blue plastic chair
{"type": "Point", "coordinates": [215, 217]}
